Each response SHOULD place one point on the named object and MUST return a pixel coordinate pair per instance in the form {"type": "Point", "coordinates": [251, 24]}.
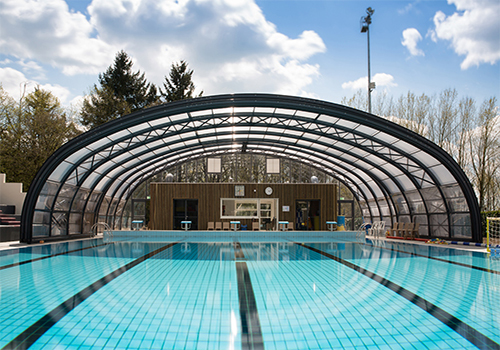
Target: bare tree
{"type": "Point", "coordinates": [485, 149]}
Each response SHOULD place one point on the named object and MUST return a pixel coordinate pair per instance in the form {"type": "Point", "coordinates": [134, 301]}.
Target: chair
{"type": "Point", "coordinates": [406, 232]}
{"type": "Point", "coordinates": [211, 226]}
{"type": "Point", "coordinates": [255, 226]}
{"type": "Point", "coordinates": [225, 226]}
{"type": "Point", "coordinates": [394, 230]}
{"type": "Point", "coordinates": [414, 231]}
{"type": "Point", "coordinates": [218, 226]}
{"type": "Point", "coordinates": [290, 226]}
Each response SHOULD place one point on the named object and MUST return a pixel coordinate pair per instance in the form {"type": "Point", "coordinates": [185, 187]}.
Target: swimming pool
{"type": "Point", "coordinates": [240, 292]}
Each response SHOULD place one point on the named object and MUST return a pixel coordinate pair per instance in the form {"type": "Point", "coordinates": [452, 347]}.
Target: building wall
{"type": "Point", "coordinates": [11, 193]}
{"type": "Point", "coordinates": [209, 195]}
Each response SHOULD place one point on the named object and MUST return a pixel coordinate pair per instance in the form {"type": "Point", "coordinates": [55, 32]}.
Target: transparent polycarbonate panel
{"type": "Point", "coordinates": [367, 131]}
{"type": "Point", "coordinates": [77, 156]}
{"type": "Point", "coordinates": [94, 198]}
{"type": "Point", "coordinates": [435, 206]}
{"type": "Point", "coordinates": [41, 217]}
{"type": "Point", "coordinates": [383, 137]}
{"type": "Point", "coordinates": [374, 209]}
{"type": "Point", "coordinates": [439, 225]}
{"type": "Point", "coordinates": [75, 223]}
{"type": "Point", "coordinates": [455, 198]}
{"type": "Point", "coordinates": [416, 206]}
{"type": "Point", "coordinates": [59, 224]}
{"type": "Point", "coordinates": [443, 175]}
{"type": "Point", "coordinates": [375, 188]}
{"type": "Point", "coordinates": [60, 171]}
{"type": "Point", "coordinates": [404, 218]}
{"type": "Point", "coordinates": [64, 198]}
{"type": "Point", "coordinates": [347, 124]}
{"type": "Point", "coordinates": [375, 159]}
{"type": "Point", "coordinates": [405, 182]}
{"type": "Point", "coordinates": [264, 110]}
{"type": "Point", "coordinates": [426, 158]}
{"type": "Point", "coordinates": [80, 200]}
{"type": "Point", "coordinates": [461, 226]}
{"type": "Point", "coordinates": [88, 222]}
{"type": "Point", "coordinates": [305, 114]}
{"type": "Point", "coordinates": [46, 196]}
{"type": "Point", "coordinates": [384, 208]}
{"type": "Point", "coordinates": [40, 230]}
{"type": "Point", "coordinates": [104, 206]}
{"type": "Point", "coordinates": [401, 206]}
{"type": "Point", "coordinates": [328, 119]}
{"type": "Point", "coordinates": [182, 116]}
{"type": "Point", "coordinates": [405, 147]}
{"type": "Point", "coordinates": [391, 185]}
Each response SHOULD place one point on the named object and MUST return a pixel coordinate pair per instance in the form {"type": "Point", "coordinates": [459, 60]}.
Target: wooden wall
{"type": "Point", "coordinates": [209, 195]}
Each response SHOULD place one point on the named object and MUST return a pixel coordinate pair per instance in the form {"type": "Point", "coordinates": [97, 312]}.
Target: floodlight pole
{"type": "Point", "coordinates": [365, 27]}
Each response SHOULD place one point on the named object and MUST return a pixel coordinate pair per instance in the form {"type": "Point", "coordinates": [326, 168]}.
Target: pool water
{"type": "Point", "coordinates": [237, 293]}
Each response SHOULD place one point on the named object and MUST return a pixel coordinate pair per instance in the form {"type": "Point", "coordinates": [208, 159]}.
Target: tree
{"type": "Point", "coordinates": [121, 92]}
{"type": "Point", "coordinates": [32, 130]}
{"type": "Point", "coordinates": [485, 149]}
{"type": "Point", "coordinates": [179, 85]}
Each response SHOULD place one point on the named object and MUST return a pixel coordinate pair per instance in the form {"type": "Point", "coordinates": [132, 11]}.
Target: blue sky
{"type": "Point", "coordinates": [305, 47]}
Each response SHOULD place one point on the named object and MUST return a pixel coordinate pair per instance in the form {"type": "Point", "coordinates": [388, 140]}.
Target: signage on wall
{"type": "Point", "coordinates": [286, 208]}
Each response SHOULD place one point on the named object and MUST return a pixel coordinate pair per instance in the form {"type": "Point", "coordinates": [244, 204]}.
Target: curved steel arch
{"type": "Point", "coordinates": [380, 153]}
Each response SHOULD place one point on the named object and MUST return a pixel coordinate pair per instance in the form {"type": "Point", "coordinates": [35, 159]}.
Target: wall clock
{"type": "Point", "coordinates": [269, 191]}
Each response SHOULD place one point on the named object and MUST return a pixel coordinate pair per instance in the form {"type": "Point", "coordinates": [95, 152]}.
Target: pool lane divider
{"type": "Point", "coordinates": [39, 328]}
{"type": "Point", "coordinates": [50, 256]}
{"type": "Point", "coordinates": [484, 269]}
{"type": "Point", "coordinates": [251, 332]}
{"type": "Point", "coordinates": [474, 336]}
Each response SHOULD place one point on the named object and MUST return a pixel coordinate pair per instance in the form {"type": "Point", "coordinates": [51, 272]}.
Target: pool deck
{"type": "Point", "coordinates": [17, 244]}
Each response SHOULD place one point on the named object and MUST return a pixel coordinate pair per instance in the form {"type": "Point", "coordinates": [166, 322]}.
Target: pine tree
{"type": "Point", "coordinates": [179, 84]}
{"type": "Point", "coordinates": [121, 91]}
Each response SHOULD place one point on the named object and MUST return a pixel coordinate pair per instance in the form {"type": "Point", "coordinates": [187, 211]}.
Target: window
{"type": "Point", "coordinates": [239, 208]}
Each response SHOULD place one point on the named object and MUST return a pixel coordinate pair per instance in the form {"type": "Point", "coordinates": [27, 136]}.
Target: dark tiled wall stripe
{"type": "Point", "coordinates": [49, 256]}
{"type": "Point", "coordinates": [251, 333]}
{"type": "Point", "coordinates": [466, 331]}
{"type": "Point", "coordinates": [437, 259]}
{"type": "Point", "coordinates": [35, 331]}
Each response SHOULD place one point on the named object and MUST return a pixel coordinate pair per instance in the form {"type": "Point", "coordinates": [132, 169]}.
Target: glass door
{"type": "Point", "coordinates": [185, 210]}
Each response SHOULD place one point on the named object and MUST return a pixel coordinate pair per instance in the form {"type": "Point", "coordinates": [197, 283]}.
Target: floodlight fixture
{"type": "Point", "coordinates": [365, 28]}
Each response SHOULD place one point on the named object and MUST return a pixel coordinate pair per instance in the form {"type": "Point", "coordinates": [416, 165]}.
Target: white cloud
{"type": "Point", "coordinates": [48, 32]}
{"type": "Point", "coordinates": [16, 83]}
{"type": "Point", "coordinates": [411, 37]}
{"type": "Point", "coordinates": [380, 79]}
{"type": "Point", "coordinates": [473, 31]}
{"type": "Point", "coordinates": [229, 44]}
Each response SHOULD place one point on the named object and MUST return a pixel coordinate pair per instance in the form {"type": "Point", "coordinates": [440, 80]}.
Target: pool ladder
{"type": "Point", "coordinates": [106, 230]}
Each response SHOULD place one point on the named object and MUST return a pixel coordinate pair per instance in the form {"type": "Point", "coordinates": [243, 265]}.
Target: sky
{"type": "Point", "coordinates": [304, 48]}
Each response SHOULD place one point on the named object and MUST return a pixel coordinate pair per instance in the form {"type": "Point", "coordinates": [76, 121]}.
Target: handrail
{"type": "Point", "coordinates": [106, 229]}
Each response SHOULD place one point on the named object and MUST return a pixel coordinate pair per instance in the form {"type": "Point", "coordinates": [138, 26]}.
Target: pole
{"type": "Point", "coordinates": [369, 73]}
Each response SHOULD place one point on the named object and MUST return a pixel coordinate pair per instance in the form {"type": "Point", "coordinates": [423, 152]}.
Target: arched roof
{"type": "Point", "coordinates": [395, 174]}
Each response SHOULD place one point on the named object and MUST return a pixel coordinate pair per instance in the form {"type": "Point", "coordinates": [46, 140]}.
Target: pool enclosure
{"type": "Point", "coordinates": [395, 174]}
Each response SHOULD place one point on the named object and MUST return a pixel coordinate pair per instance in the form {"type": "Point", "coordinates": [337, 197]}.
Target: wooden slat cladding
{"type": "Point", "coordinates": [209, 195]}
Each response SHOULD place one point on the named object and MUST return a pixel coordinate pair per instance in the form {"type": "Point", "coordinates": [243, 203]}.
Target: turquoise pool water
{"type": "Point", "coordinates": [240, 292]}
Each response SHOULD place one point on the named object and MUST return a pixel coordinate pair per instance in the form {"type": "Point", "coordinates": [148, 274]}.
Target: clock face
{"type": "Point", "coordinates": [269, 191]}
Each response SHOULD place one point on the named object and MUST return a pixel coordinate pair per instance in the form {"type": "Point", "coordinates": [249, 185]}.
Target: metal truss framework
{"type": "Point", "coordinates": [395, 174]}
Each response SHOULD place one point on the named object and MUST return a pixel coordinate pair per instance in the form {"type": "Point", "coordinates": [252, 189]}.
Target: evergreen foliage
{"type": "Point", "coordinates": [179, 84]}
{"type": "Point", "coordinates": [121, 92]}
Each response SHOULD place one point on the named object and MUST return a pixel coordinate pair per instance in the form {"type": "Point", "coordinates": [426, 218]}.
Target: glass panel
{"type": "Point", "coordinates": [439, 225]}
{"type": "Point", "coordinates": [401, 205]}
{"type": "Point", "coordinates": [80, 199]}
{"type": "Point", "coordinates": [60, 171]}
{"type": "Point", "coordinates": [44, 202]}
{"type": "Point", "coordinates": [59, 224]}
{"type": "Point", "coordinates": [41, 217]}
{"type": "Point", "coordinates": [40, 230]}
{"type": "Point", "coordinates": [88, 221]}
{"type": "Point", "coordinates": [443, 175]}
{"type": "Point", "coordinates": [75, 223]}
